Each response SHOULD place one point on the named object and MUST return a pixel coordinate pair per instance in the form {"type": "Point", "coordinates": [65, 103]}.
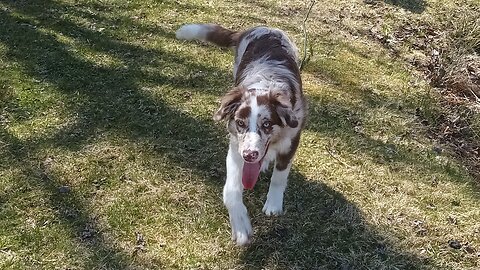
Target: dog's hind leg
{"type": "Point", "coordinates": [232, 198]}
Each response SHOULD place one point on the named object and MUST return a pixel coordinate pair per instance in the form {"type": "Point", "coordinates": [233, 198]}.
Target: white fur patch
{"type": "Point", "coordinates": [232, 197]}
{"type": "Point", "coordinates": [263, 72]}
{"type": "Point", "coordinates": [241, 226]}
{"type": "Point", "coordinates": [193, 31]}
{"type": "Point", "coordinates": [268, 159]}
{"type": "Point", "coordinates": [278, 183]}
{"type": "Point", "coordinates": [255, 138]}
{"type": "Point", "coordinates": [255, 110]}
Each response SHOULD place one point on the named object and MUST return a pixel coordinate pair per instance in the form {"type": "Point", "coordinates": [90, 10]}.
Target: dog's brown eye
{"type": "Point", "coordinates": [267, 124]}
{"type": "Point", "coordinates": [240, 123]}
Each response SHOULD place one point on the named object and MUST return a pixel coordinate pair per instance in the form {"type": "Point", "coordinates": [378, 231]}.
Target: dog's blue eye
{"type": "Point", "coordinates": [267, 124]}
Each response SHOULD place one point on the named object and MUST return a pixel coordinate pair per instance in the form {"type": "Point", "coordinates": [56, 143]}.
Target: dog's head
{"type": "Point", "coordinates": [255, 117]}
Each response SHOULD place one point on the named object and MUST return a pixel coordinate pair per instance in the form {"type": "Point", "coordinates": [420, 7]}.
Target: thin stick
{"type": "Point", "coordinates": [336, 158]}
{"type": "Point", "coordinates": [305, 37]}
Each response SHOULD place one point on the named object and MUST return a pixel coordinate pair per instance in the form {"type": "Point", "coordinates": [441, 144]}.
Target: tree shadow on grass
{"type": "Point", "coordinates": [105, 99]}
{"type": "Point", "coordinates": [69, 206]}
{"type": "Point", "coordinates": [344, 122]}
{"type": "Point", "coordinates": [324, 230]}
{"type": "Point", "coordinates": [110, 99]}
{"type": "Point", "coordinates": [415, 6]}
{"type": "Point", "coordinates": [340, 122]}
{"type": "Point", "coordinates": [321, 230]}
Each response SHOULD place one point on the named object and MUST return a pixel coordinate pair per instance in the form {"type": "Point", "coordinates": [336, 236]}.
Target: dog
{"type": "Point", "coordinates": [265, 114]}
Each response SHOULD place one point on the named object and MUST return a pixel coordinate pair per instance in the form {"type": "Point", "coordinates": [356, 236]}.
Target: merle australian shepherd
{"type": "Point", "coordinates": [265, 113]}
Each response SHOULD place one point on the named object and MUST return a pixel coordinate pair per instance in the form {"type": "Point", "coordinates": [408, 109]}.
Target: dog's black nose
{"type": "Point", "coordinates": [249, 155]}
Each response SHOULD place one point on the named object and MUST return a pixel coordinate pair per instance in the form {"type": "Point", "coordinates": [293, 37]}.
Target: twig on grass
{"type": "Point", "coordinates": [305, 37]}
{"type": "Point", "coordinates": [336, 158]}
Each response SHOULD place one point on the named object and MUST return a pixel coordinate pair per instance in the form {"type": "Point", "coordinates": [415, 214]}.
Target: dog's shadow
{"type": "Point", "coordinates": [320, 229]}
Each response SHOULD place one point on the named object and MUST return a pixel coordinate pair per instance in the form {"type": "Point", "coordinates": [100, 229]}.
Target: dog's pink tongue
{"type": "Point", "coordinates": [250, 174]}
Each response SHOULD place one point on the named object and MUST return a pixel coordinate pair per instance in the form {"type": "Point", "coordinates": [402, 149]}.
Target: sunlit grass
{"type": "Point", "coordinates": [110, 159]}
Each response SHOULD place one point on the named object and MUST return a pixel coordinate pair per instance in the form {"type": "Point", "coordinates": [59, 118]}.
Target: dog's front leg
{"type": "Point", "coordinates": [232, 197]}
{"type": "Point", "coordinates": [278, 183]}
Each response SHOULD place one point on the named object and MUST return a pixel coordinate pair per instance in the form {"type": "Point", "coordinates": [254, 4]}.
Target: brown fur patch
{"type": "Point", "coordinates": [283, 159]}
{"type": "Point", "coordinates": [244, 112]}
{"type": "Point", "coordinates": [229, 103]}
{"type": "Point", "coordinates": [263, 100]}
{"type": "Point", "coordinates": [280, 107]}
{"type": "Point", "coordinates": [222, 36]}
{"type": "Point", "coordinates": [267, 101]}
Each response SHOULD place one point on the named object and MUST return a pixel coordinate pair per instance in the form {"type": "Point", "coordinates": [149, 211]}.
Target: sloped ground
{"type": "Point", "coordinates": [445, 46]}
{"type": "Point", "coordinates": [109, 158]}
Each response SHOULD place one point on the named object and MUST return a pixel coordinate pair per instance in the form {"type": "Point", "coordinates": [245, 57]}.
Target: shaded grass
{"type": "Point", "coordinates": [106, 133]}
{"type": "Point", "coordinates": [416, 6]}
{"type": "Point", "coordinates": [350, 243]}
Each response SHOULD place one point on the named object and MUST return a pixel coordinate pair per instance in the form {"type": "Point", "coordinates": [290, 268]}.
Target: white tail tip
{"type": "Point", "coordinates": [192, 31]}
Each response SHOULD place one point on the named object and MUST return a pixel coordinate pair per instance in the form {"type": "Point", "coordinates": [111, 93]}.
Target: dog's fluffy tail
{"type": "Point", "coordinates": [209, 32]}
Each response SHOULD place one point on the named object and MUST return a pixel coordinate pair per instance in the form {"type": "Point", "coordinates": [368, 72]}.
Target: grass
{"type": "Point", "coordinates": [110, 159]}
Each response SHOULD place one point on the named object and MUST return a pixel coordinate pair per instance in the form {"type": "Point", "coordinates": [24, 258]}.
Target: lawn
{"type": "Point", "coordinates": [110, 159]}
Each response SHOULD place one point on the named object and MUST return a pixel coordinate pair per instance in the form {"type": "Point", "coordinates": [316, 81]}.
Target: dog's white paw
{"type": "Point", "coordinates": [274, 204]}
{"type": "Point", "coordinates": [265, 165]}
{"type": "Point", "coordinates": [241, 227]}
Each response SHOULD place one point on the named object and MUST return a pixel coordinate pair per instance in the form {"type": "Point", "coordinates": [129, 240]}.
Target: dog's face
{"type": "Point", "coordinates": [255, 117]}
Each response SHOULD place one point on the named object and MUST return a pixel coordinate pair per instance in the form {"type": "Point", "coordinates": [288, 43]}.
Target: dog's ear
{"type": "Point", "coordinates": [283, 106]}
{"type": "Point", "coordinates": [229, 103]}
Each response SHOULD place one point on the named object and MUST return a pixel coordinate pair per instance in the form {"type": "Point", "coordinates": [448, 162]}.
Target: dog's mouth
{"type": "Point", "coordinates": [251, 171]}
{"type": "Point", "coordinates": [250, 174]}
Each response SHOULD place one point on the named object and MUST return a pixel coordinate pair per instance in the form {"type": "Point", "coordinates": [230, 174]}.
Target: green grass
{"type": "Point", "coordinates": [106, 133]}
